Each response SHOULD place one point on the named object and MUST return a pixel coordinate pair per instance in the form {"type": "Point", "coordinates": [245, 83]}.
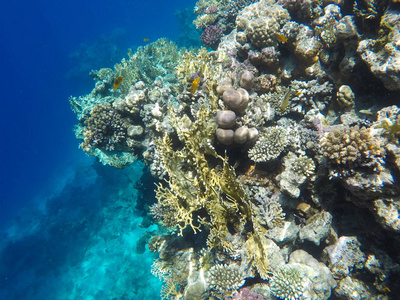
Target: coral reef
{"type": "Point", "coordinates": [224, 280]}
{"type": "Point", "coordinates": [104, 129]}
{"type": "Point", "coordinates": [270, 144]}
{"type": "Point", "coordinates": [283, 139]}
{"type": "Point", "coordinates": [211, 36]}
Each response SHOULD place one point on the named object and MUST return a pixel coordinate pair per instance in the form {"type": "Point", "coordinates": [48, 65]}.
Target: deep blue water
{"type": "Point", "coordinates": [49, 189]}
{"type": "Point", "coordinates": [48, 48]}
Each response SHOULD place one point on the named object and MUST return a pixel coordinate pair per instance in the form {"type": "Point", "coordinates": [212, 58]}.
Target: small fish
{"type": "Point", "coordinates": [146, 39]}
{"type": "Point", "coordinates": [250, 170]}
{"type": "Point", "coordinates": [195, 85]}
{"type": "Point", "coordinates": [366, 112]}
{"type": "Point", "coordinates": [117, 82]}
{"type": "Point", "coordinates": [281, 38]}
{"type": "Point", "coordinates": [285, 100]}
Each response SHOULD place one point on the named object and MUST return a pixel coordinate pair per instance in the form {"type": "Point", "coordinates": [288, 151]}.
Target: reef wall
{"type": "Point", "coordinates": [277, 153]}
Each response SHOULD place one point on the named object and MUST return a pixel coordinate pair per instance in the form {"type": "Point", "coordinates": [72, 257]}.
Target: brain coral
{"type": "Point", "coordinates": [350, 145]}
{"type": "Point", "coordinates": [270, 145]}
{"type": "Point", "coordinates": [104, 128]}
{"type": "Point", "coordinates": [261, 22]}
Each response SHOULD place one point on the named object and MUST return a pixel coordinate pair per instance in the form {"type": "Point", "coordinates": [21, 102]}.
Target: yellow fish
{"type": "Point", "coordinates": [285, 100]}
{"type": "Point", "coordinates": [281, 38]}
{"type": "Point", "coordinates": [195, 85]}
{"type": "Point", "coordinates": [146, 39]}
{"type": "Point", "coordinates": [117, 82]}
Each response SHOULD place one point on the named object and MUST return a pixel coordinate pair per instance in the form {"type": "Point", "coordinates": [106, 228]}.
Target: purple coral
{"type": "Point", "coordinates": [211, 36]}
{"type": "Point", "coordinates": [246, 294]}
{"type": "Point", "coordinates": [212, 9]}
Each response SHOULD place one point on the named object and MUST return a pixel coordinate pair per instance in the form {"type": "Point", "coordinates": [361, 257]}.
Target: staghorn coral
{"type": "Point", "coordinates": [104, 129]}
{"type": "Point", "coordinates": [224, 280]}
{"type": "Point", "coordinates": [270, 144]}
{"type": "Point", "coordinates": [349, 146]}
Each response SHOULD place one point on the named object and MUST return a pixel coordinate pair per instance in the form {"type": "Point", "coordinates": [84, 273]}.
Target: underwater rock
{"type": "Point", "coordinates": [196, 288]}
{"type": "Point", "coordinates": [387, 213]}
{"type": "Point", "coordinates": [384, 61]}
{"type": "Point", "coordinates": [346, 28]}
{"type": "Point", "coordinates": [344, 256]}
{"type": "Point", "coordinates": [366, 185]}
{"type": "Point", "coordinates": [351, 288]}
{"type": "Point", "coordinates": [286, 233]}
{"type": "Point", "coordinates": [302, 278]}
{"type": "Point", "coordinates": [297, 171]}
{"type": "Point", "coordinates": [317, 228]}
{"type": "Point", "coordinates": [307, 46]}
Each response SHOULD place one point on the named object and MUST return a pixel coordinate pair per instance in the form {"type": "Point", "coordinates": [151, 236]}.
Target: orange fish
{"type": "Point", "coordinates": [117, 82]}
{"type": "Point", "coordinates": [281, 38]}
{"type": "Point", "coordinates": [195, 85]}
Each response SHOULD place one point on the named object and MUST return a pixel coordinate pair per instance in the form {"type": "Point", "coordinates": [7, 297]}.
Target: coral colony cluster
{"type": "Point", "coordinates": [276, 155]}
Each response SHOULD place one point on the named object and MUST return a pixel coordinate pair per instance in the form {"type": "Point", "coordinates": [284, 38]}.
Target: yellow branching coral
{"type": "Point", "coordinates": [155, 59]}
{"type": "Point", "coordinates": [202, 191]}
{"type": "Point", "coordinates": [208, 66]}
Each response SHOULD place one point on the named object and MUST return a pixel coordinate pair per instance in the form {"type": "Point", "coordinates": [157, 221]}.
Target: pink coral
{"type": "Point", "coordinates": [245, 294]}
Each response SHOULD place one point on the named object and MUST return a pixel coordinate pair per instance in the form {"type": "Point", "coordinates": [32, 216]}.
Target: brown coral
{"type": "Point", "coordinates": [350, 145]}
{"type": "Point", "coordinates": [104, 129]}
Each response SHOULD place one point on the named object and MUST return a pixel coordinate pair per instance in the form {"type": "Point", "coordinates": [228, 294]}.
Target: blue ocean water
{"type": "Point", "coordinates": [53, 215]}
